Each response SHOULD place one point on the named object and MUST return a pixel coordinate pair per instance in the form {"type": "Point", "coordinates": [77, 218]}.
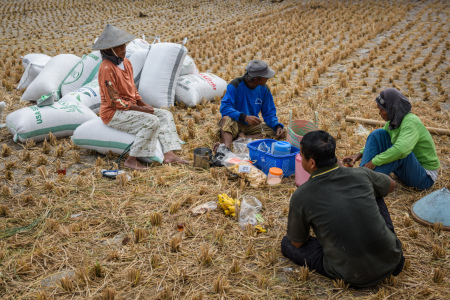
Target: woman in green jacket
{"type": "Point", "coordinates": [404, 146]}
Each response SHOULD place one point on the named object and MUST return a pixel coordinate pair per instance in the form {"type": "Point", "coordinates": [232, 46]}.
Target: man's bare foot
{"type": "Point", "coordinates": [133, 163]}
{"type": "Point", "coordinates": [215, 147]}
{"type": "Point", "coordinates": [170, 157]}
{"type": "Point", "coordinates": [242, 135]}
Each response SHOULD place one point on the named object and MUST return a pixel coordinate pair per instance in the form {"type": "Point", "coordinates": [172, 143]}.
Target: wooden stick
{"type": "Point", "coordinates": [433, 130]}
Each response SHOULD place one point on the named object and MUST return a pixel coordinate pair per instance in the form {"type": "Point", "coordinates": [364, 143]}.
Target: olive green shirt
{"type": "Point", "coordinates": [339, 205]}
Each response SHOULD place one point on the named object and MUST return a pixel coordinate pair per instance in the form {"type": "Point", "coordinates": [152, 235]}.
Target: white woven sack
{"type": "Point", "coordinates": [95, 135]}
{"type": "Point", "coordinates": [89, 95]}
{"type": "Point", "coordinates": [33, 63]}
{"type": "Point", "coordinates": [191, 89]}
{"type": "Point", "coordinates": [82, 73]}
{"type": "Point", "coordinates": [50, 77]}
{"type": "Point", "coordinates": [35, 58]}
{"type": "Point", "coordinates": [140, 43]}
{"type": "Point", "coordinates": [160, 73]}
{"type": "Point", "coordinates": [34, 122]}
{"type": "Point", "coordinates": [137, 55]}
{"type": "Point", "coordinates": [188, 66]}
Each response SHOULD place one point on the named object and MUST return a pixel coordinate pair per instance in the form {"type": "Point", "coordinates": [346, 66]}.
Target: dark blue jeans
{"type": "Point", "coordinates": [408, 169]}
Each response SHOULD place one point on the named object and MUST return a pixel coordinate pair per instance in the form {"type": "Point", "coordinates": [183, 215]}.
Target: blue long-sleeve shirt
{"type": "Point", "coordinates": [240, 100]}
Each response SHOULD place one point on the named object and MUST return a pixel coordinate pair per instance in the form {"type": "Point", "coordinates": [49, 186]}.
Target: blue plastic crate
{"type": "Point", "coordinates": [264, 160]}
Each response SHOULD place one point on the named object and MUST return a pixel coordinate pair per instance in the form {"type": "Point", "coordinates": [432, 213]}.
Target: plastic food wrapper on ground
{"type": "Point", "coordinates": [230, 159]}
{"type": "Point", "coordinates": [254, 175]}
{"type": "Point", "coordinates": [203, 208]}
{"type": "Point", "coordinates": [361, 130]}
{"type": "Point", "coordinates": [250, 206]}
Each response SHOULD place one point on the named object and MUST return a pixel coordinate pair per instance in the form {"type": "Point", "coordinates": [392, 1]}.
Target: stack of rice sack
{"type": "Point", "coordinates": [163, 74]}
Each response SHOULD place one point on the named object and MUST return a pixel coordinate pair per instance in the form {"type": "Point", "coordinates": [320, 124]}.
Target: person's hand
{"type": "Point", "coordinates": [147, 109]}
{"type": "Point", "coordinates": [369, 165]}
{"type": "Point", "coordinates": [252, 120]}
{"type": "Point", "coordinates": [280, 133]}
{"type": "Point", "coordinates": [354, 158]}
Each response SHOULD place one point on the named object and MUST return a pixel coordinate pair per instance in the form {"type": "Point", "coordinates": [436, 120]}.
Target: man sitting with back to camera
{"type": "Point", "coordinates": [245, 98]}
{"type": "Point", "coordinates": [355, 239]}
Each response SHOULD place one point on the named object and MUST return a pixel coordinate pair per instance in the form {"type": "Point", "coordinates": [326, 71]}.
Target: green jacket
{"type": "Point", "coordinates": [411, 135]}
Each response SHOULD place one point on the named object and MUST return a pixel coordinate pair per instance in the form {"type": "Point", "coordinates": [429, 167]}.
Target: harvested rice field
{"type": "Point", "coordinates": [84, 236]}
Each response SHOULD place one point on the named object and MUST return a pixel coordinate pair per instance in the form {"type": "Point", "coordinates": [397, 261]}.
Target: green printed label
{"type": "Point", "coordinates": [93, 56]}
{"type": "Point", "coordinates": [37, 114]}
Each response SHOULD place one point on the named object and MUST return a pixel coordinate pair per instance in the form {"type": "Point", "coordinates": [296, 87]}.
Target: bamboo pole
{"type": "Point", "coordinates": [433, 130]}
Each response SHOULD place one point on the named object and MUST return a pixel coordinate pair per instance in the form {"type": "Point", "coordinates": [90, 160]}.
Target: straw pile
{"type": "Point", "coordinates": [83, 236]}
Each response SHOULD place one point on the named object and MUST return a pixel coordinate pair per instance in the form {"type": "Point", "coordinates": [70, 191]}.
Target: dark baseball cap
{"type": "Point", "coordinates": [259, 68]}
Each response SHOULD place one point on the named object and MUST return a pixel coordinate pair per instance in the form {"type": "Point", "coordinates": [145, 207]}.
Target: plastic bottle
{"type": "Point", "coordinates": [275, 176]}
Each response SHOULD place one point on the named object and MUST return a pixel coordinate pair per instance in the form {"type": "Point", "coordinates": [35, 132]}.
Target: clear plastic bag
{"type": "Point", "coordinates": [203, 208]}
{"type": "Point", "coordinates": [361, 130]}
{"type": "Point", "coordinates": [263, 147]}
{"type": "Point", "coordinates": [250, 206]}
{"type": "Point", "coordinates": [240, 146]}
{"type": "Point", "coordinates": [231, 159]}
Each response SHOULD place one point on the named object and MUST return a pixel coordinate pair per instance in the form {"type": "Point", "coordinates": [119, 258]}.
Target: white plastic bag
{"type": "Point", "coordinates": [34, 122]}
{"type": "Point", "coordinates": [191, 89]}
{"type": "Point", "coordinates": [82, 73]}
{"type": "Point", "coordinates": [95, 135]}
{"type": "Point", "coordinates": [50, 78]}
{"type": "Point", "coordinates": [160, 73]}
{"type": "Point", "coordinates": [89, 95]}
{"type": "Point", "coordinates": [33, 63]}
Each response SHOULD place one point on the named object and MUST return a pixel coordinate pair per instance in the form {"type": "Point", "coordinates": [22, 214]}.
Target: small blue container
{"type": "Point", "coordinates": [265, 160]}
{"type": "Point", "coordinates": [282, 148]}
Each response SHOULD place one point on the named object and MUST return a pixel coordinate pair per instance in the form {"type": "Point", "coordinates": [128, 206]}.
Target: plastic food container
{"type": "Point", "coordinates": [281, 148]}
{"type": "Point", "coordinates": [275, 176]}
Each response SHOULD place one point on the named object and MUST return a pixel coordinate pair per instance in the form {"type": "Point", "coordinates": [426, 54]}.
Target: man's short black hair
{"type": "Point", "coordinates": [320, 146]}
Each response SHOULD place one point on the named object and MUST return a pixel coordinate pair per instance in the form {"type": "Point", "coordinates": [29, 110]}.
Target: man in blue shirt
{"type": "Point", "coordinates": [245, 98]}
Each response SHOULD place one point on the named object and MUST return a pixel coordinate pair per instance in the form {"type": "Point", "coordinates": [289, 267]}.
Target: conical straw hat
{"type": "Point", "coordinates": [112, 37]}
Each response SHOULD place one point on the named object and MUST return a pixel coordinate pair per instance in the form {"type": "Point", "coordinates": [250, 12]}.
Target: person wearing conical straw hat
{"type": "Point", "coordinates": [403, 146]}
{"type": "Point", "coordinates": [122, 107]}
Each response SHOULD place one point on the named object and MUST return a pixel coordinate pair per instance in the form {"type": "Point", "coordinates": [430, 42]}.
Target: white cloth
{"type": "Point", "coordinates": [148, 128]}
{"type": "Point", "coordinates": [432, 173]}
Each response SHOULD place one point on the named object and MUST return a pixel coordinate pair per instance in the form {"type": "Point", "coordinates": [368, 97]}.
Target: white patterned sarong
{"type": "Point", "coordinates": [148, 128]}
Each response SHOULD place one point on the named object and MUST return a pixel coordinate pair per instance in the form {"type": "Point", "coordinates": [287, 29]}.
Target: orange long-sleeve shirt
{"type": "Point", "coordinates": [117, 89]}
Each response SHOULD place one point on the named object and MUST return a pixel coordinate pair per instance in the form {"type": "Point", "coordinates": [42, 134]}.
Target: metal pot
{"type": "Point", "coordinates": [202, 158]}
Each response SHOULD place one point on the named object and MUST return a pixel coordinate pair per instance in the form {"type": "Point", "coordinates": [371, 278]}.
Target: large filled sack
{"type": "Point", "coordinates": [137, 51]}
{"type": "Point", "coordinates": [82, 73]}
{"type": "Point", "coordinates": [33, 63]}
{"type": "Point", "coordinates": [160, 73]}
{"type": "Point", "coordinates": [34, 122]}
{"type": "Point", "coordinates": [140, 43]}
{"type": "Point", "coordinates": [95, 135]}
{"type": "Point", "coordinates": [88, 94]}
{"type": "Point", "coordinates": [188, 66]}
{"type": "Point", "coordinates": [50, 78]}
{"type": "Point", "coordinates": [191, 89]}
